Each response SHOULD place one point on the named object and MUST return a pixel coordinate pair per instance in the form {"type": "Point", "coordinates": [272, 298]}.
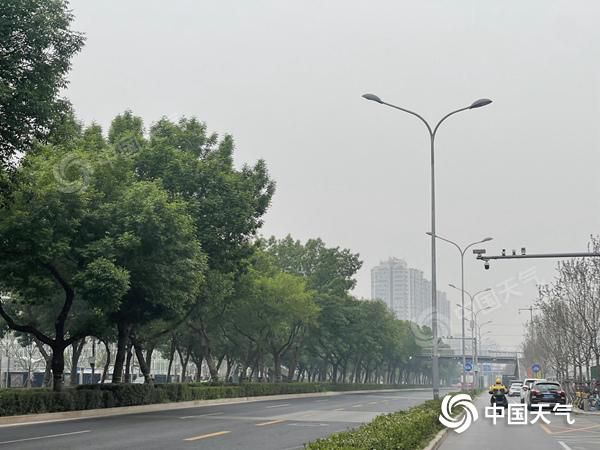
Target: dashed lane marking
{"type": "Point", "coordinates": [45, 437]}
{"type": "Point", "coordinates": [209, 435]}
{"type": "Point", "coordinates": [198, 416]}
{"type": "Point", "coordinates": [271, 422]}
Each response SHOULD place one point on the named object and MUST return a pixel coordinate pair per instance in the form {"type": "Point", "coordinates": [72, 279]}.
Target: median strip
{"type": "Point", "coordinates": [205, 436]}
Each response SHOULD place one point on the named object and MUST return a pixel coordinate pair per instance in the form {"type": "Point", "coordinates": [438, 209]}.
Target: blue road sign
{"type": "Point", "coordinates": [536, 368]}
{"type": "Point", "coordinates": [468, 367]}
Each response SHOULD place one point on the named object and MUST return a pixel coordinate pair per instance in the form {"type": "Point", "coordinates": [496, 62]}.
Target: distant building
{"type": "Point", "coordinates": [390, 283]}
{"type": "Point", "coordinates": [408, 294]}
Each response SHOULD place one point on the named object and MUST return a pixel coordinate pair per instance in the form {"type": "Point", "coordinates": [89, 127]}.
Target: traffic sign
{"type": "Point", "coordinates": [468, 367]}
{"type": "Point", "coordinates": [536, 368]}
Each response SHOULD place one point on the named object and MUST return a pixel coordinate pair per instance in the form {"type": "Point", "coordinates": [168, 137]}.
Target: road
{"type": "Point", "coordinates": [584, 434]}
{"type": "Point", "coordinates": [264, 425]}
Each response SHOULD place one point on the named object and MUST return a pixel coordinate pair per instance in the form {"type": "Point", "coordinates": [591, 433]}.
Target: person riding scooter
{"type": "Point", "coordinates": [498, 392]}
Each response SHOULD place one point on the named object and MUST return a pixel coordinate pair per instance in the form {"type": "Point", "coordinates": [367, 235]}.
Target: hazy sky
{"type": "Point", "coordinates": [285, 79]}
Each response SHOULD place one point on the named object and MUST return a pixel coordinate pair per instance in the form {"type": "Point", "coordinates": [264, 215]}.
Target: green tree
{"type": "Point", "coordinates": [273, 309]}
{"type": "Point", "coordinates": [83, 240]}
{"type": "Point", "coordinates": [36, 47]}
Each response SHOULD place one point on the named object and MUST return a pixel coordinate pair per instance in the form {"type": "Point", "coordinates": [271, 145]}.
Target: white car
{"type": "Point", "coordinates": [527, 383]}
{"type": "Point", "coordinates": [515, 389]}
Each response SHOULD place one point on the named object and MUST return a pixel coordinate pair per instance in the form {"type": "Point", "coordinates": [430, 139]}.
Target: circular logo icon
{"type": "Point", "coordinates": [468, 367]}
{"type": "Point", "coordinates": [536, 368]}
{"type": "Point", "coordinates": [458, 423]}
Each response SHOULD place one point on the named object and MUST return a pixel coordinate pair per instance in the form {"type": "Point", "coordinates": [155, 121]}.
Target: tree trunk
{"type": "Point", "coordinates": [212, 368]}
{"type": "Point", "coordinates": [107, 363]}
{"type": "Point", "coordinates": [58, 367]}
{"type": "Point", "coordinates": [148, 356]}
{"type": "Point", "coordinates": [171, 358]}
{"type": "Point", "coordinates": [128, 357]}
{"type": "Point", "coordinates": [293, 363]}
{"type": "Point", "coordinates": [139, 353]}
{"type": "Point", "coordinates": [276, 367]}
{"type": "Point", "coordinates": [123, 337]}
{"type": "Point", "coordinates": [48, 359]}
{"type": "Point", "coordinates": [75, 355]}
{"type": "Point", "coordinates": [184, 358]}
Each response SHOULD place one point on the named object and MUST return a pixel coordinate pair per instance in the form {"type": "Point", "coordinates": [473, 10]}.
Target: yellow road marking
{"type": "Point", "coordinates": [272, 422]}
{"type": "Point", "coordinates": [209, 435]}
{"type": "Point", "coordinates": [546, 429]}
{"type": "Point", "coordinates": [577, 429]}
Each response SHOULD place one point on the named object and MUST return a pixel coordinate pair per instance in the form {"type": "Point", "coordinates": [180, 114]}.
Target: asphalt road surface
{"type": "Point", "coordinates": [264, 425]}
{"type": "Point", "coordinates": [584, 434]}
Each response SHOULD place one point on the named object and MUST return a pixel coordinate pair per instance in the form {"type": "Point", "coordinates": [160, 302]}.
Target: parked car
{"type": "Point", "coordinates": [547, 392]}
{"type": "Point", "coordinates": [515, 389]}
{"type": "Point", "coordinates": [527, 383]}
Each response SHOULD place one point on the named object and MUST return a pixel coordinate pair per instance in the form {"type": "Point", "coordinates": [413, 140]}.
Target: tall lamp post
{"type": "Point", "coordinates": [474, 337]}
{"type": "Point", "coordinates": [462, 252]}
{"type": "Point", "coordinates": [435, 369]}
{"type": "Point", "coordinates": [487, 332]}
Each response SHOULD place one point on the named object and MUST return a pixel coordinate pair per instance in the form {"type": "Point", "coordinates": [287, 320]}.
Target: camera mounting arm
{"type": "Point", "coordinates": [486, 258]}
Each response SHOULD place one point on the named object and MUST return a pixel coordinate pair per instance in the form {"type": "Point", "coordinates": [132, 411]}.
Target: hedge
{"type": "Point", "coordinates": [411, 429]}
{"type": "Point", "coordinates": [404, 430]}
{"type": "Point", "coordinates": [36, 401]}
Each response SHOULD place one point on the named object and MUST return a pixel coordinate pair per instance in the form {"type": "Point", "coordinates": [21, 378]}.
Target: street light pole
{"type": "Point", "coordinates": [476, 349]}
{"type": "Point", "coordinates": [462, 252]}
{"type": "Point", "coordinates": [435, 369]}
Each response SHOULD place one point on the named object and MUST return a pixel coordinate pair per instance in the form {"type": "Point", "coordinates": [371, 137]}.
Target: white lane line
{"type": "Point", "coordinates": [45, 437]}
{"type": "Point", "coordinates": [357, 406]}
{"type": "Point", "coordinates": [202, 415]}
{"type": "Point", "coordinates": [279, 406]}
{"type": "Point", "coordinates": [565, 446]}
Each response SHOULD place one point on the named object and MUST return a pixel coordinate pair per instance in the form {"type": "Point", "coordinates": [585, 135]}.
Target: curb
{"type": "Point", "coordinates": [586, 413]}
{"type": "Point", "coordinates": [29, 419]}
{"type": "Point", "coordinates": [437, 440]}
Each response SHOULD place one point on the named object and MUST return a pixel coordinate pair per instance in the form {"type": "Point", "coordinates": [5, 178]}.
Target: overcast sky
{"type": "Point", "coordinates": [285, 79]}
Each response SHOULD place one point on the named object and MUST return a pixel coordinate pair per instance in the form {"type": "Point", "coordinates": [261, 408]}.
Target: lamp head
{"type": "Point", "coordinates": [479, 103]}
{"type": "Point", "coordinates": [373, 98]}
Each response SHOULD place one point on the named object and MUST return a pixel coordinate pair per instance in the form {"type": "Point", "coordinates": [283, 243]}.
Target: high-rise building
{"type": "Point", "coordinates": [417, 293]}
{"type": "Point", "coordinates": [390, 283]}
{"type": "Point", "coordinates": [408, 294]}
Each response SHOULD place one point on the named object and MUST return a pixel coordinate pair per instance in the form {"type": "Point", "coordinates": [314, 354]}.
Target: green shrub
{"type": "Point", "coordinates": [403, 430]}
{"type": "Point", "coordinates": [35, 401]}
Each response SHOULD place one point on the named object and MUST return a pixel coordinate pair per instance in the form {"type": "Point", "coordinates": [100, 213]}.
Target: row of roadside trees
{"type": "Point", "coordinates": [565, 333]}
{"type": "Point", "coordinates": [147, 240]}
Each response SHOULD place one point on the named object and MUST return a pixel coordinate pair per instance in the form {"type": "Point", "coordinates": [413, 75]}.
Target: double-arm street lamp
{"type": "Point", "coordinates": [462, 251]}
{"type": "Point", "coordinates": [474, 333]}
{"type": "Point", "coordinates": [435, 375]}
